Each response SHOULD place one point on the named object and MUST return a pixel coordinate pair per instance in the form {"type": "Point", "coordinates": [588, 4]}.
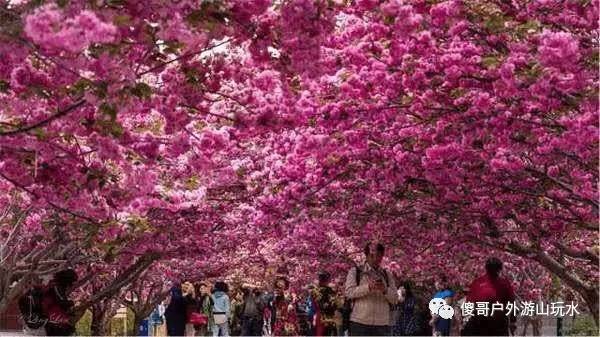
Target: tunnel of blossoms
{"type": "Point", "coordinates": [143, 142]}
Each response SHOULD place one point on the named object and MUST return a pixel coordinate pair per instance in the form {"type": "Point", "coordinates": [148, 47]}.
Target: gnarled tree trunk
{"type": "Point", "coordinates": [100, 322]}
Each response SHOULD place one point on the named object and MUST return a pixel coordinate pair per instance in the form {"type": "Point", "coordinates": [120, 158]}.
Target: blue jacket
{"type": "Point", "coordinates": [443, 325]}
{"type": "Point", "coordinates": [221, 303]}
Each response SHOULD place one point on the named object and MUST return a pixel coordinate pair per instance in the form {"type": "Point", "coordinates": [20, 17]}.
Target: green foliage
{"type": "Point", "coordinates": [112, 49]}
{"type": "Point", "coordinates": [108, 124]}
{"type": "Point", "coordinates": [495, 23]}
{"type": "Point", "coordinates": [593, 60]}
{"type": "Point", "coordinates": [195, 17]}
{"type": "Point", "coordinates": [583, 325]}
{"type": "Point", "coordinates": [172, 47]}
{"type": "Point", "coordinates": [142, 90]}
{"type": "Point", "coordinates": [192, 76]}
{"type": "Point", "coordinates": [117, 325]}
{"type": "Point", "coordinates": [37, 3]}
{"type": "Point", "coordinates": [101, 89]}
{"type": "Point", "coordinates": [122, 20]}
{"type": "Point", "coordinates": [528, 28]}
{"type": "Point", "coordinates": [4, 86]}
{"type": "Point", "coordinates": [209, 16]}
{"type": "Point", "coordinates": [40, 134]}
{"type": "Point", "coordinates": [84, 325]}
{"type": "Point", "coordinates": [490, 61]}
{"type": "Point", "coordinates": [116, 3]}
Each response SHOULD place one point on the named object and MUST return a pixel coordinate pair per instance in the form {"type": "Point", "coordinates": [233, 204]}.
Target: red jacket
{"type": "Point", "coordinates": [56, 305]}
{"type": "Point", "coordinates": [489, 289]}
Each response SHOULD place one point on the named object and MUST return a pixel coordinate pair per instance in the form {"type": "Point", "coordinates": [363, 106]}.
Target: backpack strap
{"type": "Point", "coordinates": [386, 277]}
{"type": "Point", "coordinates": [357, 275]}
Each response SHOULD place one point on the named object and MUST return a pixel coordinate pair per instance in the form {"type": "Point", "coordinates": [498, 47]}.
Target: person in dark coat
{"type": "Point", "coordinates": [251, 313]}
{"type": "Point", "coordinates": [176, 312]}
{"type": "Point", "coordinates": [408, 319]}
{"type": "Point", "coordinates": [57, 305]}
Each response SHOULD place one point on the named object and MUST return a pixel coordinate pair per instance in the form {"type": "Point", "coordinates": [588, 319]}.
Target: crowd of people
{"type": "Point", "coordinates": [368, 304]}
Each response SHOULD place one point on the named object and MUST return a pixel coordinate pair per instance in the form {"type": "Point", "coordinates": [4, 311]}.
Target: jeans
{"type": "Point", "coordinates": [357, 329]}
{"type": "Point", "coordinates": [59, 330]}
{"type": "Point", "coordinates": [251, 326]}
{"type": "Point", "coordinates": [442, 326]}
{"type": "Point", "coordinates": [221, 329]}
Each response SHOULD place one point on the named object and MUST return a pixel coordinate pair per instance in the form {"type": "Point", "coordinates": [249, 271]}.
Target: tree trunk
{"type": "Point", "coordinates": [591, 299]}
{"type": "Point", "coordinates": [9, 294]}
{"type": "Point", "coordinates": [125, 278]}
{"type": "Point", "coordinates": [141, 311]}
{"type": "Point", "coordinates": [589, 292]}
{"type": "Point", "coordinates": [100, 322]}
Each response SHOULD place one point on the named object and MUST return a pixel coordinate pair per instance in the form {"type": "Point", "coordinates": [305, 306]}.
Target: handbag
{"type": "Point", "coordinates": [197, 318]}
{"type": "Point", "coordinates": [220, 318]}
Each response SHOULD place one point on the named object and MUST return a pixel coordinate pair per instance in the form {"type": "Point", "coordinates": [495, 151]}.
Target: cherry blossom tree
{"type": "Point", "coordinates": [457, 128]}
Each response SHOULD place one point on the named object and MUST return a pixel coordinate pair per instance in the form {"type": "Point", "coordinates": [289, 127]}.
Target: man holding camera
{"type": "Point", "coordinates": [251, 313]}
{"type": "Point", "coordinates": [372, 290]}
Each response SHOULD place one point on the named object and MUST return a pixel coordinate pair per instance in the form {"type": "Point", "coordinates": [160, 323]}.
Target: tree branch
{"type": "Point", "coordinates": [46, 121]}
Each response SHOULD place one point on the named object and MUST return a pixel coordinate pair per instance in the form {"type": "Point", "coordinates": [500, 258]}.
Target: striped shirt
{"type": "Point", "coordinates": [370, 307]}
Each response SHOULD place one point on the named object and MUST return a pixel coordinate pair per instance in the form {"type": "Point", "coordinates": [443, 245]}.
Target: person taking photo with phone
{"type": "Point", "coordinates": [372, 290]}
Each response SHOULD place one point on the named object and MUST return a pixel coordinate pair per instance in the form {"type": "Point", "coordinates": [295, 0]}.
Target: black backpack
{"type": "Point", "coordinates": [30, 307]}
